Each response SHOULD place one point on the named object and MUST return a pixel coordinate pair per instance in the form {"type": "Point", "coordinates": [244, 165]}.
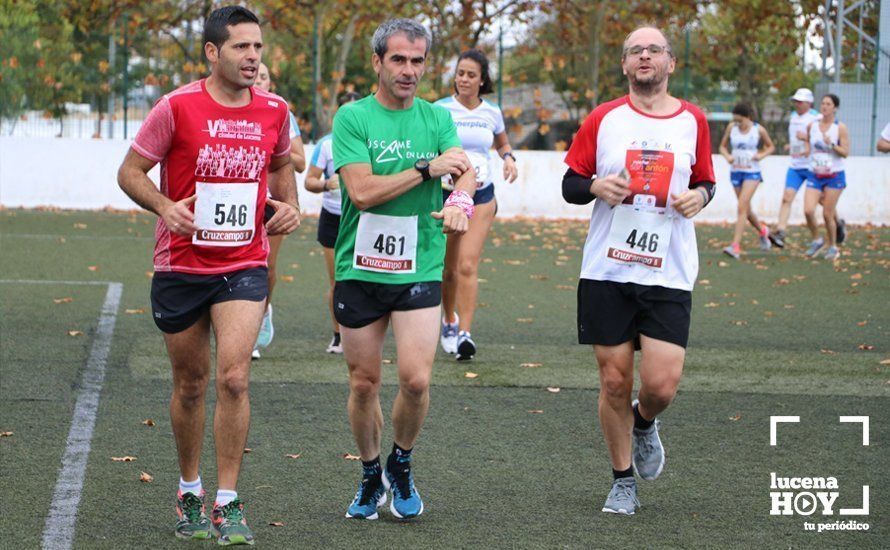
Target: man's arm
{"type": "Point", "coordinates": [132, 177]}
{"type": "Point", "coordinates": [297, 154]}
{"type": "Point", "coordinates": [283, 190]}
{"type": "Point", "coordinates": [367, 190]}
{"type": "Point", "coordinates": [883, 145]}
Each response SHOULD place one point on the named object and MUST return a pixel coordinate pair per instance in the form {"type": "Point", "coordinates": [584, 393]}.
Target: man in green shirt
{"type": "Point", "coordinates": [391, 149]}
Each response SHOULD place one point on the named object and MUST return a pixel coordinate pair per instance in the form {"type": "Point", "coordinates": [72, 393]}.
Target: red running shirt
{"type": "Point", "coordinates": [223, 153]}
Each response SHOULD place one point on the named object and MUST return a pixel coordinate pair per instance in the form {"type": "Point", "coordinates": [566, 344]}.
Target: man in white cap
{"type": "Point", "coordinates": [799, 170]}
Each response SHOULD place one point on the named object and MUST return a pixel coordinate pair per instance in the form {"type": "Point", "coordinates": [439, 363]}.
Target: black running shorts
{"type": "Point", "coordinates": [178, 300]}
{"type": "Point", "coordinates": [612, 313]}
{"type": "Point", "coordinates": [328, 228]}
{"type": "Point", "coordinates": [359, 303]}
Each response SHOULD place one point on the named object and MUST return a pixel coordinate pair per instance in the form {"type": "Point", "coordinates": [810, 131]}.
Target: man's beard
{"type": "Point", "coordinates": [647, 87]}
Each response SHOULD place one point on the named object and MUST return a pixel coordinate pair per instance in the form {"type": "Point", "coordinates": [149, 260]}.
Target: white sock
{"type": "Point", "coordinates": [193, 487]}
{"type": "Point", "coordinates": [224, 497]}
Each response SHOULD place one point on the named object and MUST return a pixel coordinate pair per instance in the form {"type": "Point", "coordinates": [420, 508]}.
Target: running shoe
{"type": "Point", "coordinates": [733, 250]}
{"type": "Point", "coordinates": [648, 453]}
{"type": "Point", "coordinates": [765, 243]}
{"type": "Point", "coordinates": [193, 523]}
{"type": "Point", "coordinates": [777, 238]}
{"type": "Point", "coordinates": [255, 354]}
{"type": "Point", "coordinates": [448, 339]}
{"type": "Point", "coordinates": [406, 502]}
{"type": "Point", "coordinates": [622, 498]}
{"type": "Point", "coordinates": [466, 347]}
{"type": "Point", "coordinates": [814, 248]}
{"type": "Point", "coordinates": [832, 253]}
{"type": "Point", "coordinates": [230, 524]}
{"type": "Point", "coordinates": [371, 495]}
{"type": "Point", "coordinates": [841, 231]}
{"type": "Point", "coordinates": [267, 331]}
{"type": "Point", "coordinates": [335, 346]}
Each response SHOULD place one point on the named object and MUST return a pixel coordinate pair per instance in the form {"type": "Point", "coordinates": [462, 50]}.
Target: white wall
{"type": "Point", "coordinates": [81, 174]}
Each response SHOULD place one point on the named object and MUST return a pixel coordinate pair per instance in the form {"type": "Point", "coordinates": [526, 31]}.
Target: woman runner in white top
{"type": "Point", "coordinates": [479, 125]}
{"type": "Point", "coordinates": [322, 178]}
{"type": "Point", "coordinates": [750, 143]}
{"type": "Point", "coordinates": [828, 145]}
{"type": "Point", "coordinates": [298, 160]}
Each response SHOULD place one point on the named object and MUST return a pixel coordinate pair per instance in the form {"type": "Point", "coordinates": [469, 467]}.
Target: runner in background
{"type": "Point", "coordinates": [322, 178]}
{"type": "Point", "coordinates": [480, 124]}
{"type": "Point", "coordinates": [828, 145]}
{"type": "Point", "coordinates": [884, 141]}
{"type": "Point", "coordinates": [750, 143]}
{"type": "Point", "coordinates": [298, 159]}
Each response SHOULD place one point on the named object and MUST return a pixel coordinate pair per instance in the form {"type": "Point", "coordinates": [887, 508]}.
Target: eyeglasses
{"type": "Point", "coordinates": [654, 49]}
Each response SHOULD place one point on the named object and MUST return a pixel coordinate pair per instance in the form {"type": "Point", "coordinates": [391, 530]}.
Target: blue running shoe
{"type": "Point", "coordinates": [371, 495]}
{"type": "Point", "coordinates": [267, 331]}
{"type": "Point", "coordinates": [406, 501]}
{"type": "Point", "coordinates": [814, 248]}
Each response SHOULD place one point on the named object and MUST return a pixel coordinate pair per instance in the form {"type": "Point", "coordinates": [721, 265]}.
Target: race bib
{"type": "Point", "coordinates": [479, 162]}
{"type": "Point", "coordinates": [822, 164]}
{"type": "Point", "coordinates": [225, 213]}
{"type": "Point", "coordinates": [639, 234]}
{"type": "Point", "coordinates": [742, 159]}
{"type": "Point", "coordinates": [798, 148]}
{"type": "Point", "coordinates": [386, 244]}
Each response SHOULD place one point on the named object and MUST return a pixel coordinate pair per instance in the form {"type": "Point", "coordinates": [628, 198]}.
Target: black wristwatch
{"type": "Point", "coordinates": [423, 166]}
{"type": "Point", "coordinates": [509, 154]}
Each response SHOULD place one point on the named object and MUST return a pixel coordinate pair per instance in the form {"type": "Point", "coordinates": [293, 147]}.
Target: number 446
{"type": "Point", "coordinates": [645, 242]}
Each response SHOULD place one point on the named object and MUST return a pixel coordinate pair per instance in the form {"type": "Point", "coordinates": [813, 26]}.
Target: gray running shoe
{"type": "Point", "coordinates": [648, 453]}
{"type": "Point", "coordinates": [777, 238]}
{"type": "Point", "coordinates": [732, 252]}
{"type": "Point", "coordinates": [832, 253]}
{"type": "Point", "coordinates": [622, 498]}
{"type": "Point", "coordinates": [814, 248]}
{"type": "Point", "coordinates": [765, 243]}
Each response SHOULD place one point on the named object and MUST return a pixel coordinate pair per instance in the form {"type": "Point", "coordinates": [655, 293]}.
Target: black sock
{"type": "Point", "coordinates": [641, 423]}
{"type": "Point", "coordinates": [618, 474]}
{"type": "Point", "coordinates": [399, 455]}
{"type": "Point", "coordinates": [337, 340]}
{"type": "Point", "coordinates": [371, 468]}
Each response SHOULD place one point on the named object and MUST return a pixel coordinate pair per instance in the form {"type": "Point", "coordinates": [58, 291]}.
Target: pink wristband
{"type": "Point", "coordinates": [462, 200]}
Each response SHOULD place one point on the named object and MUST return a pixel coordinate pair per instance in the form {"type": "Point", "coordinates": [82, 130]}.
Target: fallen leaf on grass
{"type": "Point", "coordinates": [783, 281]}
{"type": "Point", "coordinates": [150, 274]}
{"type": "Point", "coordinates": [755, 302]}
{"type": "Point", "coordinates": [75, 333]}
{"type": "Point", "coordinates": [722, 264]}
{"type": "Point", "coordinates": [827, 351]}
{"type": "Point", "coordinates": [789, 306]}
{"type": "Point", "coordinates": [865, 347]}
{"type": "Point", "coordinates": [247, 450]}
{"type": "Point", "coordinates": [761, 267]}
{"type": "Point", "coordinates": [536, 411]}
{"type": "Point", "coordinates": [884, 362]}
{"type": "Point", "coordinates": [525, 320]}
{"type": "Point", "coordinates": [276, 524]}
{"type": "Point", "coordinates": [296, 456]}
{"type": "Point", "coordinates": [123, 458]}
{"type": "Point", "coordinates": [739, 323]}
{"type": "Point", "coordinates": [856, 276]}
{"type": "Point", "coordinates": [704, 282]}
{"type": "Point", "coordinates": [712, 304]}
{"type": "Point", "coordinates": [62, 300]}
{"type": "Point", "coordinates": [386, 361]}
{"type": "Point", "coordinates": [564, 287]}
{"type": "Point", "coordinates": [146, 477]}
{"type": "Point", "coordinates": [80, 226]}
{"type": "Point", "coordinates": [514, 262]}
{"type": "Point", "coordinates": [553, 389]}
{"type": "Point", "coordinates": [531, 365]}
{"type": "Point", "coordinates": [287, 278]}
{"type": "Point", "coordinates": [93, 267]}
{"type": "Point", "coordinates": [538, 277]}
{"type": "Point", "coordinates": [137, 311]}
{"type": "Point", "coordinates": [769, 314]}
{"type": "Point", "coordinates": [148, 422]}
{"type": "Point", "coordinates": [470, 374]}
{"type": "Point", "coordinates": [799, 277]}
{"type": "Point", "coordinates": [735, 418]}
{"type": "Point", "coordinates": [862, 323]}
{"type": "Point", "coordinates": [348, 456]}
{"type": "Point", "coordinates": [6, 434]}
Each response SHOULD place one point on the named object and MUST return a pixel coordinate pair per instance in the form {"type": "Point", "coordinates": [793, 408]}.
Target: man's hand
{"type": "Point", "coordinates": [332, 183]}
{"type": "Point", "coordinates": [179, 217]}
{"type": "Point", "coordinates": [689, 203]}
{"type": "Point", "coordinates": [456, 220]}
{"type": "Point", "coordinates": [613, 189]}
{"type": "Point", "coordinates": [454, 162]}
{"type": "Point", "coordinates": [285, 220]}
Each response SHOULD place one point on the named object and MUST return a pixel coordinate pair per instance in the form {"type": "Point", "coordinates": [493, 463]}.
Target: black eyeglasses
{"type": "Point", "coordinates": [654, 49]}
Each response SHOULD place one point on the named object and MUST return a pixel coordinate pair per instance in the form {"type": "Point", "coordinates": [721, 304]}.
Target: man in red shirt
{"type": "Point", "coordinates": [221, 144]}
{"type": "Point", "coordinates": [646, 159]}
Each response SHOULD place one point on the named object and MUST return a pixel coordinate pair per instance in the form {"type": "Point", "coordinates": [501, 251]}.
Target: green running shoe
{"type": "Point", "coordinates": [193, 523]}
{"type": "Point", "coordinates": [231, 527]}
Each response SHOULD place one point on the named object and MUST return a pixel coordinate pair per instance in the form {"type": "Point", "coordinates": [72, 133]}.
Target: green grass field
{"type": "Point", "coordinates": [502, 461]}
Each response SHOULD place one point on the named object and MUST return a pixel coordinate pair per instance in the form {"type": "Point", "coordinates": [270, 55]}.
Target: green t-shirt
{"type": "Point", "coordinates": [396, 242]}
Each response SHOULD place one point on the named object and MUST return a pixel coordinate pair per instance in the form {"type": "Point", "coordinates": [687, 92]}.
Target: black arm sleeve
{"type": "Point", "coordinates": [708, 186]}
{"type": "Point", "coordinates": [576, 188]}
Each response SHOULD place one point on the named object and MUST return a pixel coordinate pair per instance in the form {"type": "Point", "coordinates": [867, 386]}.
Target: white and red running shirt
{"type": "Point", "coordinates": [222, 154]}
{"type": "Point", "coordinates": [643, 240]}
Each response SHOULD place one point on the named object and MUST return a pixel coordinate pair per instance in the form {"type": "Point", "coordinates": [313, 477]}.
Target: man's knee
{"type": "Point", "coordinates": [468, 267]}
{"type": "Point", "coordinates": [233, 383]}
{"type": "Point", "coordinates": [660, 395]}
{"type": "Point", "coordinates": [616, 386]}
{"type": "Point", "coordinates": [189, 391]}
{"type": "Point", "coordinates": [415, 385]}
{"type": "Point", "coordinates": [449, 274]}
{"type": "Point", "coordinates": [363, 384]}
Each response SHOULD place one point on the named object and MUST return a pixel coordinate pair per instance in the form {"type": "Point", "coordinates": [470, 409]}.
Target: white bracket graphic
{"type": "Point", "coordinates": [859, 420]}
{"type": "Point", "coordinates": [773, 420]}
{"type": "Point", "coordinates": [858, 511]}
